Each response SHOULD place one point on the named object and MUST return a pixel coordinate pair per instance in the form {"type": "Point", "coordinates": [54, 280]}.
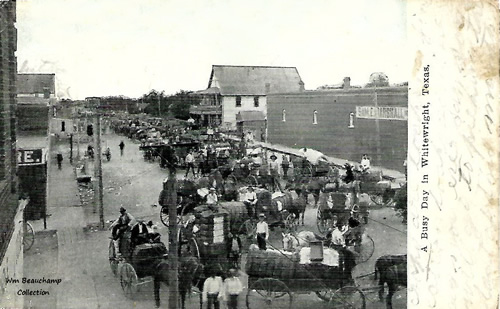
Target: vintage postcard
{"type": "Point", "coordinates": [221, 154]}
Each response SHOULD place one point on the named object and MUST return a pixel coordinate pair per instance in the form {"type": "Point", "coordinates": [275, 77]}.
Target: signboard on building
{"type": "Point", "coordinates": [382, 112]}
{"type": "Point", "coordinates": [31, 157]}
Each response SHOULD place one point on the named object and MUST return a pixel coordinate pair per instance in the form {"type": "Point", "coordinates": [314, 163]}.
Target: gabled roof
{"type": "Point", "coordinates": [250, 116]}
{"type": "Point", "coordinates": [255, 80]}
{"type": "Point", "coordinates": [35, 83]}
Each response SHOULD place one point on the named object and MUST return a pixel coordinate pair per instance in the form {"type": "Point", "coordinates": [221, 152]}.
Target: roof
{"type": "Point", "coordinates": [250, 116]}
{"type": "Point", "coordinates": [255, 80]}
{"type": "Point", "coordinates": [35, 83]}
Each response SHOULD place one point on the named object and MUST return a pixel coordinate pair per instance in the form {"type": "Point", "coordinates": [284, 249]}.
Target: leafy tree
{"type": "Point", "coordinates": [181, 102]}
{"type": "Point", "coordinates": [158, 103]}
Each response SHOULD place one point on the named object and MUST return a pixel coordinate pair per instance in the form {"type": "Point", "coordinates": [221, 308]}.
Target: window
{"type": "Point", "coordinates": [63, 126]}
{"type": "Point", "coordinates": [238, 101]}
{"type": "Point", "coordinates": [283, 116]}
{"type": "Point", "coordinates": [315, 117]}
{"type": "Point", "coordinates": [256, 101]}
{"type": "Point", "coordinates": [351, 120]}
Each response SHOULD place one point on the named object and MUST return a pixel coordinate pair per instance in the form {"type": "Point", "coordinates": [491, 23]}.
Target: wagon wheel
{"type": "Point", "coordinates": [269, 293]}
{"type": "Point", "coordinates": [321, 222]}
{"type": "Point", "coordinates": [290, 223]}
{"type": "Point", "coordinates": [128, 280]}
{"type": "Point", "coordinates": [232, 178]}
{"type": "Point", "coordinates": [165, 218]}
{"type": "Point", "coordinates": [348, 297]}
{"type": "Point", "coordinates": [377, 198]}
{"type": "Point", "coordinates": [253, 180]}
{"type": "Point", "coordinates": [195, 249]}
{"type": "Point", "coordinates": [308, 172]}
{"type": "Point", "coordinates": [28, 236]}
{"type": "Point", "coordinates": [325, 295]}
{"type": "Point", "coordinates": [113, 262]}
{"type": "Point", "coordinates": [364, 249]}
{"type": "Point", "coordinates": [249, 228]}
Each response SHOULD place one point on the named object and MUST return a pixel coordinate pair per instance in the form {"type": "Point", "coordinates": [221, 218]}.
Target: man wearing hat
{"type": "Point", "coordinates": [119, 227]}
{"type": "Point", "coordinates": [250, 201]}
{"type": "Point", "coordinates": [262, 232]}
{"type": "Point", "coordinates": [212, 197]}
{"type": "Point", "coordinates": [274, 169]}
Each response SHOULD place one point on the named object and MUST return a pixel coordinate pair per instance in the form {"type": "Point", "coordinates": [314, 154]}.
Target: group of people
{"type": "Point", "coordinates": [215, 289]}
{"type": "Point", "coordinates": [140, 233]}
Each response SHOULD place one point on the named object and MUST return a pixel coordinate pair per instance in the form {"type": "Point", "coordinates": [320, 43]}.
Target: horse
{"type": "Point", "coordinates": [392, 270]}
{"type": "Point", "coordinates": [294, 242]}
{"type": "Point", "coordinates": [298, 205]}
{"type": "Point", "coordinates": [395, 276]}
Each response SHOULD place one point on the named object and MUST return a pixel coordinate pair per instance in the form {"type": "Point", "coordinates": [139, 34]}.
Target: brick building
{"type": "Point", "coordinates": [344, 123]}
{"type": "Point", "coordinates": [11, 209]}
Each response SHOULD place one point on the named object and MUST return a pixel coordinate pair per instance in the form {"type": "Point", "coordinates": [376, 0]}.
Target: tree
{"type": "Point", "coordinates": [158, 103]}
{"type": "Point", "coordinates": [378, 79]}
{"type": "Point", "coordinates": [181, 102]}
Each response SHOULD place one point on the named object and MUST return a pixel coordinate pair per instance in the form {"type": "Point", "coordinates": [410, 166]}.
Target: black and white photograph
{"type": "Point", "coordinates": [226, 154]}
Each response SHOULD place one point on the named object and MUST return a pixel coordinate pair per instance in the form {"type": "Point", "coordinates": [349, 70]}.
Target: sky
{"type": "Point", "coordinates": [128, 47]}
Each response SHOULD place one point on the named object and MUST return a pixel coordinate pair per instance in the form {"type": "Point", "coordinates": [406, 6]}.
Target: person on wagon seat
{"type": "Point", "coordinates": [119, 227]}
{"type": "Point", "coordinates": [139, 234]}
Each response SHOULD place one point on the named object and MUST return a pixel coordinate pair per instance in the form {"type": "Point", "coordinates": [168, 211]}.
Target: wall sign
{"type": "Point", "coordinates": [382, 112]}
{"type": "Point", "coordinates": [31, 156]}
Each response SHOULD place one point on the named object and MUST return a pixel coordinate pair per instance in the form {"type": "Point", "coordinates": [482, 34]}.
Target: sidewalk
{"type": "Point", "coordinates": [66, 216]}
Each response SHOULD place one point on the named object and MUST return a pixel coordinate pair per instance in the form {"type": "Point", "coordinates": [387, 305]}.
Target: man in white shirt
{"type": "Point", "coordinates": [250, 202]}
{"type": "Point", "coordinates": [232, 288]}
{"type": "Point", "coordinates": [212, 290]}
{"type": "Point", "coordinates": [365, 163]}
{"type": "Point", "coordinates": [262, 232]}
{"type": "Point", "coordinates": [212, 197]}
{"type": "Point", "coordinates": [190, 163]}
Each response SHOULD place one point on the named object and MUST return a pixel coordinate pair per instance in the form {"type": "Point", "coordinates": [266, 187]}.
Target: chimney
{"type": "Point", "coordinates": [347, 82]}
{"type": "Point", "coordinates": [301, 86]}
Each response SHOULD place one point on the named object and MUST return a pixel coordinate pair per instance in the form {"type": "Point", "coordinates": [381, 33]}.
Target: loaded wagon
{"type": "Point", "coordinates": [275, 277]}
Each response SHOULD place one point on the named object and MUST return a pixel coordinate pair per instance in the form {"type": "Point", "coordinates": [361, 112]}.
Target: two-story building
{"type": "Point", "coordinates": [238, 89]}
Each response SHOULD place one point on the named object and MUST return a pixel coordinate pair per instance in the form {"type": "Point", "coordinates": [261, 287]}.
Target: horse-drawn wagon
{"type": "Point", "coordinates": [275, 276]}
{"type": "Point", "coordinates": [137, 264]}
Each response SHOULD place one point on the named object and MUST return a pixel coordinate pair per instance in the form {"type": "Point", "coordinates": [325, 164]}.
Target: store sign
{"type": "Point", "coordinates": [382, 112]}
{"type": "Point", "coordinates": [30, 156]}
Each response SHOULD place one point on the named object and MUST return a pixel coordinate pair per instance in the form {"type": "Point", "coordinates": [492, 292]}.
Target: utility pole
{"type": "Point", "coordinates": [173, 259]}
{"type": "Point", "coordinates": [159, 100]}
{"type": "Point", "coordinates": [98, 193]}
{"type": "Point", "coordinates": [71, 148]}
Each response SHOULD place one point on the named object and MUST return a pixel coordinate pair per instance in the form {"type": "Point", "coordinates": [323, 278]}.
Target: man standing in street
{"type": "Point", "coordinates": [59, 160]}
{"type": "Point", "coordinates": [122, 145]}
{"type": "Point", "coordinates": [212, 289]}
{"type": "Point", "coordinates": [285, 164]}
{"type": "Point", "coordinates": [232, 288]}
{"type": "Point", "coordinates": [190, 163]}
{"type": "Point", "coordinates": [262, 232]}
{"type": "Point", "coordinates": [274, 169]}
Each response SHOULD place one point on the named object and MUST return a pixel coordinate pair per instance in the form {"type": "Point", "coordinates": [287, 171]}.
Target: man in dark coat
{"type": "Point", "coordinates": [139, 234]}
